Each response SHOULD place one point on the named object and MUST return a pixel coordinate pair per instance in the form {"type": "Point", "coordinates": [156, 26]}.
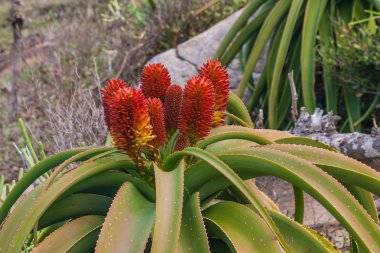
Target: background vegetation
{"type": "Point", "coordinates": [73, 46]}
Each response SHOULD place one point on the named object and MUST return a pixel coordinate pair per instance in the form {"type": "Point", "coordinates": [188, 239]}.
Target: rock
{"type": "Point", "coordinates": [180, 71]}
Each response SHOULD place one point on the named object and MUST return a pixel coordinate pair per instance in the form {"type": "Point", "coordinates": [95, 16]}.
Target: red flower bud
{"type": "Point", "coordinates": [197, 109]}
{"type": "Point", "coordinates": [181, 143]}
{"type": "Point", "coordinates": [129, 121]}
{"type": "Point", "coordinates": [107, 92]}
{"type": "Point", "coordinates": [218, 76]}
{"type": "Point", "coordinates": [173, 101]}
{"type": "Point", "coordinates": [155, 79]}
{"type": "Point", "coordinates": [156, 113]}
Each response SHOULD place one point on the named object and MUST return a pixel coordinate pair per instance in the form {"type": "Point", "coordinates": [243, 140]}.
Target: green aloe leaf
{"type": "Point", "coordinates": [39, 169]}
{"type": "Point", "coordinates": [75, 206]}
{"type": "Point", "coordinates": [128, 224]}
{"type": "Point", "coordinates": [239, 23]}
{"type": "Point", "coordinates": [304, 141]}
{"type": "Point", "coordinates": [274, 17]}
{"type": "Point", "coordinates": [326, 190]}
{"type": "Point", "coordinates": [246, 33]}
{"type": "Point", "coordinates": [193, 237]}
{"type": "Point", "coordinates": [66, 238]}
{"type": "Point", "coordinates": [229, 174]}
{"type": "Point", "coordinates": [69, 235]}
{"type": "Point", "coordinates": [313, 14]}
{"type": "Point", "coordinates": [237, 108]}
{"type": "Point", "coordinates": [280, 60]}
{"type": "Point", "coordinates": [240, 228]}
{"type": "Point", "coordinates": [169, 202]}
{"type": "Point", "coordinates": [233, 133]}
{"type": "Point", "coordinates": [15, 230]}
{"type": "Point", "coordinates": [346, 170]}
{"type": "Point", "coordinates": [299, 237]}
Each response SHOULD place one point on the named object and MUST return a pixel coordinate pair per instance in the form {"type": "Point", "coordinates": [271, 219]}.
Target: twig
{"type": "Point", "coordinates": [294, 97]}
{"type": "Point", "coordinates": [375, 131]}
{"type": "Point", "coordinates": [96, 76]}
{"type": "Point", "coordinates": [205, 7]}
{"type": "Point", "coordinates": [260, 120]}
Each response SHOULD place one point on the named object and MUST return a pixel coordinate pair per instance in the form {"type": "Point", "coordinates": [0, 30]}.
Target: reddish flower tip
{"type": "Point", "coordinates": [181, 143]}
{"type": "Point", "coordinates": [218, 76]}
{"type": "Point", "coordinates": [129, 121]}
{"type": "Point", "coordinates": [172, 108]}
{"type": "Point", "coordinates": [156, 113]}
{"type": "Point", "coordinates": [197, 109]}
{"type": "Point", "coordinates": [108, 92]}
{"type": "Point", "coordinates": [155, 79]}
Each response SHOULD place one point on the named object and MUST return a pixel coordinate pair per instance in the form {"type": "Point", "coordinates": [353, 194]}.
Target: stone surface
{"type": "Point", "coordinates": [180, 70]}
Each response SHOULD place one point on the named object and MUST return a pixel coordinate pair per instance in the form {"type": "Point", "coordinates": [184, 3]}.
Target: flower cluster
{"type": "Point", "coordinates": [142, 119]}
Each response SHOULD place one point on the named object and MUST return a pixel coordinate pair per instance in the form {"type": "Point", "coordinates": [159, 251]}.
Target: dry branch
{"type": "Point", "coordinates": [321, 127]}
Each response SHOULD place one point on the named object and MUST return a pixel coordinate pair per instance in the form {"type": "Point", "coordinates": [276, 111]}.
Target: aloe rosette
{"type": "Point", "coordinates": [185, 186]}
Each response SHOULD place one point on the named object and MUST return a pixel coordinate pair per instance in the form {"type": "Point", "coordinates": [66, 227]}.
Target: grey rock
{"type": "Point", "coordinates": [180, 71]}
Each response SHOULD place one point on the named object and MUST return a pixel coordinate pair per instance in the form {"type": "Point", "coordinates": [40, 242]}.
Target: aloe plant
{"type": "Point", "coordinates": [187, 186]}
{"type": "Point", "coordinates": [293, 29]}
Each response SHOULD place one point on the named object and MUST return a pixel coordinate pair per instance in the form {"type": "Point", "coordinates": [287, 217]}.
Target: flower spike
{"type": "Point", "coordinates": [156, 113]}
{"type": "Point", "coordinates": [108, 92]}
{"type": "Point", "coordinates": [155, 79]}
{"type": "Point", "coordinates": [197, 109]}
{"type": "Point", "coordinates": [173, 101]}
{"type": "Point", "coordinates": [218, 76]}
{"type": "Point", "coordinates": [129, 122]}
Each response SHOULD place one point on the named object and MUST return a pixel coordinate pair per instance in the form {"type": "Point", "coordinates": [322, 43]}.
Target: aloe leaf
{"type": "Point", "coordinates": [329, 81]}
{"type": "Point", "coordinates": [75, 206]}
{"type": "Point", "coordinates": [36, 171]}
{"type": "Point", "coordinates": [169, 200]}
{"type": "Point", "coordinates": [280, 59]}
{"type": "Point", "coordinates": [218, 246]}
{"type": "Point", "coordinates": [299, 204]}
{"type": "Point", "coordinates": [228, 173]}
{"type": "Point", "coordinates": [193, 237]}
{"type": "Point", "coordinates": [353, 108]}
{"type": "Point", "coordinates": [313, 13]}
{"type": "Point", "coordinates": [301, 238]}
{"type": "Point", "coordinates": [27, 141]}
{"type": "Point", "coordinates": [67, 236]}
{"type": "Point", "coordinates": [345, 169]}
{"type": "Point", "coordinates": [265, 136]}
{"type": "Point", "coordinates": [240, 228]}
{"type": "Point", "coordinates": [304, 141]}
{"type": "Point", "coordinates": [128, 224]}
{"type": "Point", "coordinates": [239, 23]}
{"type": "Point", "coordinates": [113, 179]}
{"type": "Point", "coordinates": [242, 135]}
{"type": "Point", "coordinates": [246, 33]}
{"type": "Point", "coordinates": [87, 243]}
{"type": "Point", "coordinates": [369, 110]}
{"type": "Point", "coordinates": [266, 30]}
{"type": "Point", "coordinates": [237, 108]}
{"type": "Point", "coordinates": [14, 230]}
{"type": "Point", "coordinates": [321, 186]}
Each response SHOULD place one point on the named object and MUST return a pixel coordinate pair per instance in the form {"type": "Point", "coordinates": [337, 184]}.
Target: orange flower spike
{"type": "Point", "coordinates": [129, 121]}
{"type": "Point", "coordinates": [218, 76]}
{"type": "Point", "coordinates": [107, 92]}
{"type": "Point", "coordinates": [172, 108]}
{"type": "Point", "coordinates": [156, 113]}
{"type": "Point", "coordinates": [197, 109]}
{"type": "Point", "coordinates": [155, 79]}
